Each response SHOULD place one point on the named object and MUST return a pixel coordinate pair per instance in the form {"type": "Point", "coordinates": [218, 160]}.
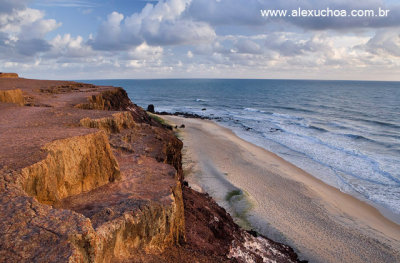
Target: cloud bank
{"type": "Point", "coordinates": [205, 38]}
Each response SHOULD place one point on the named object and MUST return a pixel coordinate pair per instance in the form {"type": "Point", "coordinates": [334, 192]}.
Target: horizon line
{"type": "Point", "coordinates": [174, 78]}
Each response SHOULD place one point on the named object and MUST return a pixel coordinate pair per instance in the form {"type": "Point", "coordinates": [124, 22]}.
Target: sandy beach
{"type": "Point", "coordinates": [265, 192]}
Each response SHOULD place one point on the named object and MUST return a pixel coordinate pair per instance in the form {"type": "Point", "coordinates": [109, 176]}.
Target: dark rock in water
{"type": "Point", "coordinates": [150, 108]}
{"type": "Point", "coordinates": [182, 126]}
{"type": "Point", "coordinates": [185, 115]}
{"type": "Point", "coordinates": [203, 109]}
{"type": "Point", "coordinates": [275, 130]}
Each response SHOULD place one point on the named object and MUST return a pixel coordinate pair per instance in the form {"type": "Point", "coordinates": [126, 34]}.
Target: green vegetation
{"type": "Point", "coordinates": [178, 135]}
{"type": "Point", "coordinates": [241, 205]}
{"type": "Point", "coordinates": [158, 119]}
{"type": "Point", "coordinates": [165, 124]}
{"type": "Point", "coordinates": [231, 194]}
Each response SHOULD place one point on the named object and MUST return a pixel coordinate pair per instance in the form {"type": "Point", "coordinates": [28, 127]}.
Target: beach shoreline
{"type": "Point", "coordinates": [282, 201]}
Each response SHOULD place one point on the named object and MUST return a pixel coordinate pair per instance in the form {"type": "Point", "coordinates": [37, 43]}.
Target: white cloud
{"type": "Point", "coordinates": [248, 46]}
{"type": "Point", "coordinates": [68, 46]}
{"type": "Point", "coordinates": [23, 31]}
{"type": "Point", "coordinates": [109, 34]}
{"type": "Point", "coordinates": [247, 13]}
{"type": "Point", "coordinates": [385, 42]}
{"type": "Point", "coordinates": [38, 28]}
{"type": "Point", "coordinates": [178, 33]}
{"type": "Point", "coordinates": [13, 22]}
{"type": "Point", "coordinates": [145, 52]}
{"type": "Point", "coordinates": [174, 38]}
{"type": "Point", "coordinates": [159, 24]}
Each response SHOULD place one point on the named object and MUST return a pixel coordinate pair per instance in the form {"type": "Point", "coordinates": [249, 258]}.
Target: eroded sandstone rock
{"type": "Point", "coordinates": [113, 124]}
{"type": "Point", "coordinates": [8, 75]}
{"type": "Point", "coordinates": [113, 99]}
{"type": "Point", "coordinates": [12, 96]}
{"type": "Point", "coordinates": [72, 166]}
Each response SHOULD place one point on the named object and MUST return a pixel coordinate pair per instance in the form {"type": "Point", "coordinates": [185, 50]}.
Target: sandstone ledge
{"type": "Point", "coordinates": [12, 96]}
{"type": "Point", "coordinates": [72, 166]}
{"type": "Point", "coordinates": [8, 75]}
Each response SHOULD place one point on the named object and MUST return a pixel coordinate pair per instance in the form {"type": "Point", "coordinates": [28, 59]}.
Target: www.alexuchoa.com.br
{"type": "Point", "coordinates": [299, 12]}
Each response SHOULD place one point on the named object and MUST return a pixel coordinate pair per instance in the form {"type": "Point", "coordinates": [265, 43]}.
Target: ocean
{"type": "Point", "coordinates": [346, 133]}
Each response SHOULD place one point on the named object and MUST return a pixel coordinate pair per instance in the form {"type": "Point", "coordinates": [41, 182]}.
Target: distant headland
{"type": "Point", "coordinates": [8, 75]}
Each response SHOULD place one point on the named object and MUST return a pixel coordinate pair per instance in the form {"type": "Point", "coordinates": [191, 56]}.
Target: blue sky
{"type": "Point", "coordinates": [86, 39]}
{"type": "Point", "coordinates": [75, 14]}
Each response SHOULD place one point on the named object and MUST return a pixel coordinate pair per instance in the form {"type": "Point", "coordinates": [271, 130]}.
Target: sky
{"type": "Point", "coordinates": [114, 39]}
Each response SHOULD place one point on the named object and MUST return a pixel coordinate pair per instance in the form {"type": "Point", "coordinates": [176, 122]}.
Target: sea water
{"type": "Point", "coordinates": [346, 133]}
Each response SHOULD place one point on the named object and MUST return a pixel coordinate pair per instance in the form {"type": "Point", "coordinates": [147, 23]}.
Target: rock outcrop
{"type": "Point", "coordinates": [113, 124]}
{"type": "Point", "coordinates": [114, 99]}
{"type": "Point", "coordinates": [12, 96]}
{"type": "Point", "coordinates": [150, 108]}
{"type": "Point", "coordinates": [8, 75]}
{"type": "Point", "coordinates": [72, 166]}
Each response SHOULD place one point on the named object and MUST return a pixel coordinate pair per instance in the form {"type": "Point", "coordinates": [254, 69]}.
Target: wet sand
{"type": "Point", "coordinates": [280, 200]}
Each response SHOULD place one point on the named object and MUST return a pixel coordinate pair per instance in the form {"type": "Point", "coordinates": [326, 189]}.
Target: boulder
{"type": "Point", "coordinates": [150, 108]}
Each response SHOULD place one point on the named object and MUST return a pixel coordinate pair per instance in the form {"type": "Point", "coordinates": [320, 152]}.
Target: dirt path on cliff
{"type": "Point", "coordinates": [282, 201]}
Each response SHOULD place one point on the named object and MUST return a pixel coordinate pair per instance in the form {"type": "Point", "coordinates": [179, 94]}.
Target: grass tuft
{"type": "Point", "coordinates": [231, 194]}
{"type": "Point", "coordinates": [158, 119]}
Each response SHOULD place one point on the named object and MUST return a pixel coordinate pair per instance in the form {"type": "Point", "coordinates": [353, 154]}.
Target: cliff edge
{"type": "Point", "coordinates": [8, 75]}
{"type": "Point", "coordinates": [88, 176]}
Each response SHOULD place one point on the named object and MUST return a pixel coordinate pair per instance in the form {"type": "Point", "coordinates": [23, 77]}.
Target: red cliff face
{"type": "Point", "coordinates": [88, 176]}
{"type": "Point", "coordinates": [8, 75]}
{"type": "Point", "coordinates": [92, 183]}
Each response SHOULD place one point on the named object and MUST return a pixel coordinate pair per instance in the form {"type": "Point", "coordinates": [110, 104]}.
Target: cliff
{"type": "Point", "coordinates": [90, 184]}
{"type": "Point", "coordinates": [88, 176]}
{"type": "Point", "coordinates": [8, 75]}
{"type": "Point", "coordinates": [114, 99]}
